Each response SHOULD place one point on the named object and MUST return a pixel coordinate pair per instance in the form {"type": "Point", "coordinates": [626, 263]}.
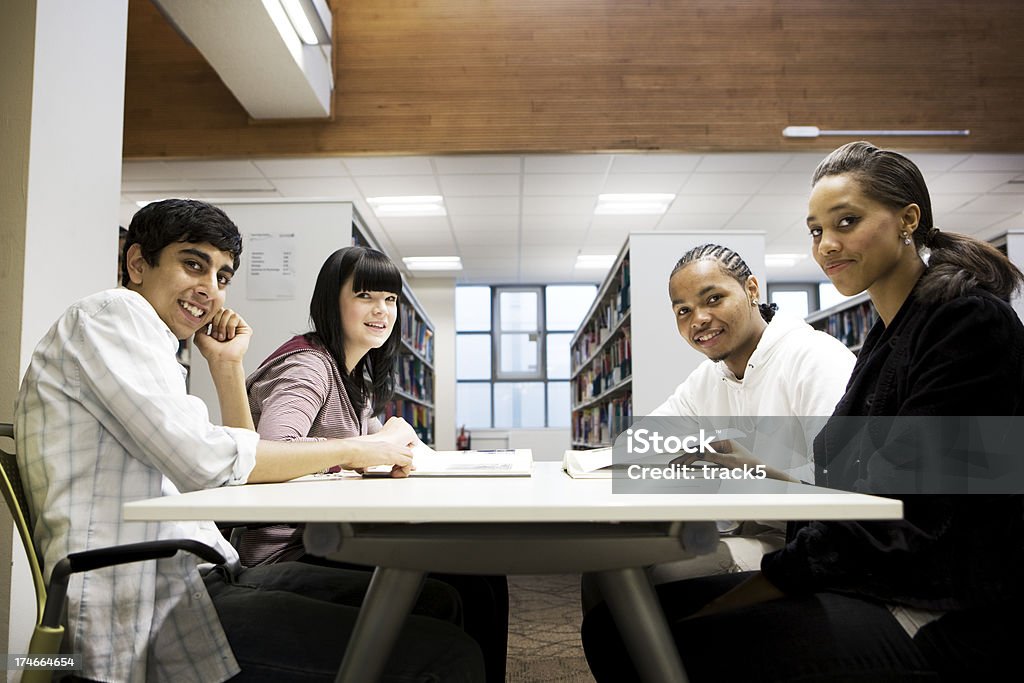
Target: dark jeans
{"type": "Point", "coordinates": [291, 621]}
{"type": "Point", "coordinates": [815, 638]}
{"type": "Point", "coordinates": [484, 611]}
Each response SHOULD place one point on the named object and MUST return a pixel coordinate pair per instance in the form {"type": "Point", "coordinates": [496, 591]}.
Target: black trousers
{"type": "Point", "coordinates": [823, 637]}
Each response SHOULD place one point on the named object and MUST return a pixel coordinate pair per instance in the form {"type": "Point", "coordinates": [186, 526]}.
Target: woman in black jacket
{"type": "Point", "coordinates": [936, 595]}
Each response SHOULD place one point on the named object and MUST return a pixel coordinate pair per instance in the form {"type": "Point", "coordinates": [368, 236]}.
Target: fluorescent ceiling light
{"type": "Point", "coordinates": [783, 260]}
{"type": "Point", "coordinates": [307, 21]}
{"type": "Point", "coordinates": [814, 131]}
{"type": "Point", "coordinates": [433, 262]}
{"type": "Point", "coordinates": [595, 261]}
{"type": "Point", "coordinates": [418, 205]}
{"type": "Point", "coordinates": [633, 204]}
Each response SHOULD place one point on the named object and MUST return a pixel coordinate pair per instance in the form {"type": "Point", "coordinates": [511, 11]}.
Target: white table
{"type": "Point", "coordinates": [547, 523]}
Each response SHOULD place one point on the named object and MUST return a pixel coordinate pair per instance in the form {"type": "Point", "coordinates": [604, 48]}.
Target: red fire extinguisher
{"type": "Point", "coordinates": [462, 440]}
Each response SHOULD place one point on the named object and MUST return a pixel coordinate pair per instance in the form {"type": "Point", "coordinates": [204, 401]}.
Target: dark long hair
{"type": "Point", "coordinates": [730, 262]}
{"type": "Point", "coordinates": [373, 378]}
{"type": "Point", "coordinates": [957, 263]}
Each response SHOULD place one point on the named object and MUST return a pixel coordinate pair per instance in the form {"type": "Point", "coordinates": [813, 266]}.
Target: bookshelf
{"type": "Point", "coordinates": [627, 356]}
{"type": "Point", "coordinates": [849, 321]}
{"type": "Point", "coordinates": [414, 381]}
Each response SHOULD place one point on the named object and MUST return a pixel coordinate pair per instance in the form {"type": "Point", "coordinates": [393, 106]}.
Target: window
{"type": "Point", "coordinates": [519, 333]}
{"type": "Point", "coordinates": [512, 354]}
{"type": "Point", "coordinates": [829, 296]}
{"type": "Point", "coordinates": [796, 298]}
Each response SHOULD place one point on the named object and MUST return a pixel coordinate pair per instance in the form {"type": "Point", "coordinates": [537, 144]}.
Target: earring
{"type": "Point", "coordinates": [753, 302]}
{"type": "Point", "coordinates": [906, 238]}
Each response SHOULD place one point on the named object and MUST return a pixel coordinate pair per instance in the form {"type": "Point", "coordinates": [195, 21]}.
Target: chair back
{"type": "Point", "coordinates": [17, 503]}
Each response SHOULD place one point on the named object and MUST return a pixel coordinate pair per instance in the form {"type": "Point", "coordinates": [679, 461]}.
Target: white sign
{"type": "Point", "coordinates": [271, 266]}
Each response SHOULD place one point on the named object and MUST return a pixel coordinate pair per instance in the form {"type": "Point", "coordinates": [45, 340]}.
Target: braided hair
{"type": "Point", "coordinates": [730, 262]}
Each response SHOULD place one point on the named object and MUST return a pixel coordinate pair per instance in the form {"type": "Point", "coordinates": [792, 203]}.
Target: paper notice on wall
{"type": "Point", "coordinates": [271, 260]}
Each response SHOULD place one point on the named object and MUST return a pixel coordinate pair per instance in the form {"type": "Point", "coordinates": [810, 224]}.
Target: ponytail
{"type": "Point", "coordinates": [959, 263]}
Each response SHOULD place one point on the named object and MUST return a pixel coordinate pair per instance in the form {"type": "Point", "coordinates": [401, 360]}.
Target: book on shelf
{"type": "Point", "coordinates": [416, 414]}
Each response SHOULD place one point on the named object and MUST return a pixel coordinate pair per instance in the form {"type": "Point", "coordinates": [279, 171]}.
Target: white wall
{"type": "Point", "coordinates": [320, 229]}
{"type": "Point", "coordinates": [61, 113]}
{"type": "Point", "coordinates": [437, 296]}
{"type": "Point", "coordinates": [546, 444]}
{"type": "Point", "coordinates": [1015, 251]}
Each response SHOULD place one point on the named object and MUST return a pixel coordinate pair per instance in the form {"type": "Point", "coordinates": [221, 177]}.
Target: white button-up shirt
{"type": "Point", "coordinates": [103, 418]}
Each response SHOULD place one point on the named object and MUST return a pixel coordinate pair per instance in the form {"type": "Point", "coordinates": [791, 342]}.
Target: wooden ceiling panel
{"type": "Point", "coordinates": [451, 76]}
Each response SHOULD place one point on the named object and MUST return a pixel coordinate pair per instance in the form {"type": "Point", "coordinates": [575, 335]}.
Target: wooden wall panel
{"type": "Point", "coordinates": [436, 76]}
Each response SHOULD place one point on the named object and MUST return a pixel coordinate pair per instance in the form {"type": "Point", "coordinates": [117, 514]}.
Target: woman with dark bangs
{"type": "Point", "coordinates": [331, 383]}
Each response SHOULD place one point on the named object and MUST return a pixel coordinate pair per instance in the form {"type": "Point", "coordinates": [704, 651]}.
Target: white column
{"type": "Point", "coordinates": [437, 295]}
{"type": "Point", "coordinates": [61, 118]}
{"type": "Point", "coordinates": [1015, 252]}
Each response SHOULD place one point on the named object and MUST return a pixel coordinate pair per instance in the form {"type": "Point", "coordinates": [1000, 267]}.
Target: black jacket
{"type": "Point", "coordinates": [954, 358]}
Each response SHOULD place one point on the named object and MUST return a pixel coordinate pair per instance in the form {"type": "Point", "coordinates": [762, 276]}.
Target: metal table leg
{"type": "Point", "coordinates": [388, 601]}
{"type": "Point", "coordinates": [642, 624]}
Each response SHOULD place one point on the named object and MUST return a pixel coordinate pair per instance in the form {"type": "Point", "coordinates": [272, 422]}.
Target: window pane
{"type": "Point", "coordinates": [518, 311]}
{"type": "Point", "coordinates": [473, 405]}
{"type": "Point", "coordinates": [829, 295]}
{"type": "Point", "coordinates": [794, 303]}
{"type": "Point", "coordinates": [558, 404]}
{"type": "Point", "coordinates": [518, 405]}
{"type": "Point", "coordinates": [558, 355]}
{"type": "Point", "coordinates": [472, 356]}
{"type": "Point", "coordinates": [567, 304]}
{"type": "Point", "coordinates": [472, 309]}
{"type": "Point", "coordinates": [519, 353]}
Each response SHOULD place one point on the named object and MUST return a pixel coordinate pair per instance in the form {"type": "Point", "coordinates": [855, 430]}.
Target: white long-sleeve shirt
{"type": "Point", "coordinates": [796, 372]}
{"type": "Point", "coordinates": [103, 418]}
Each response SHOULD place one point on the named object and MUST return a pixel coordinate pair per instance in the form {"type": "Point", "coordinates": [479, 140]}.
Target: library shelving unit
{"type": "Point", "coordinates": [848, 321]}
{"type": "Point", "coordinates": [414, 383]}
{"type": "Point", "coordinates": [627, 356]}
{"type": "Point", "coordinates": [601, 380]}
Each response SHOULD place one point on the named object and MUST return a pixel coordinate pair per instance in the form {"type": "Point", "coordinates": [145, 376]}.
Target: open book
{"type": "Point", "coordinates": [497, 463]}
{"type": "Point", "coordinates": [592, 464]}
{"type": "Point", "coordinates": [598, 463]}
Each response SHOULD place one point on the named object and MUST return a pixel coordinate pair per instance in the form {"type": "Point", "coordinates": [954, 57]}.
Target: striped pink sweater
{"type": "Point", "coordinates": [297, 395]}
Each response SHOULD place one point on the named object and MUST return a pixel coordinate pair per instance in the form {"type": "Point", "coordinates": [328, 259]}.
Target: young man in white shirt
{"type": "Point", "coordinates": [763, 368]}
{"type": "Point", "coordinates": [767, 368]}
{"type": "Point", "coordinates": [103, 418]}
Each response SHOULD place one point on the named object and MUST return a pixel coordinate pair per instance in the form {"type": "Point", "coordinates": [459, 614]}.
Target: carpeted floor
{"type": "Point", "coordinates": [544, 630]}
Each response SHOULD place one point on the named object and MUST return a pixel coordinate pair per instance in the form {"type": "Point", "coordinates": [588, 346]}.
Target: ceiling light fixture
{"type": "Point", "coordinates": [595, 261]}
{"type": "Point", "coordinates": [633, 204]}
{"type": "Point", "coordinates": [814, 131]}
{"type": "Point", "coordinates": [415, 205]}
{"type": "Point", "coordinates": [433, 262]}
{"type": "Point", "coordinates": [311, 20]}
{"type": "Point", "coordinates": [783, 260]}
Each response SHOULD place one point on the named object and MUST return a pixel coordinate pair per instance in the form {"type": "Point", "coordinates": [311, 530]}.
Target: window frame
{"type": "Point", "coordinates": [497, 374]}
{"type": "Point", "coordinates": [541, 374]}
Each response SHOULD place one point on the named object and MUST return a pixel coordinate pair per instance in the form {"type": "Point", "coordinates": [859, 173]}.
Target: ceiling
{"type": "Point", "coordinates": [525, 218]}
